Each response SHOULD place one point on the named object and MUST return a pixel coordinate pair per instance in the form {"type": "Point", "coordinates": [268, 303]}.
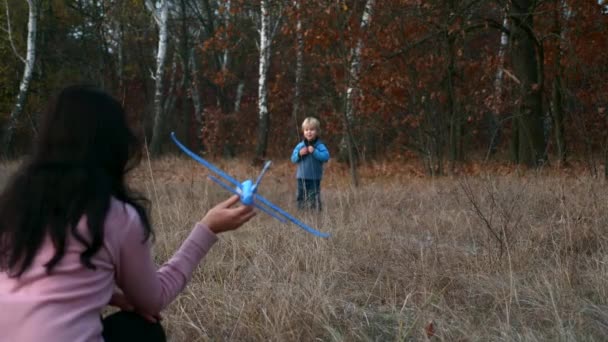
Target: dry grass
{"type": "Point", "coordinates": [403, 253]}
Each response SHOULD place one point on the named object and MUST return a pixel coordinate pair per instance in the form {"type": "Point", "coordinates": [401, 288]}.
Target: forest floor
{"type": "Point", "coordinates": [511, 255]}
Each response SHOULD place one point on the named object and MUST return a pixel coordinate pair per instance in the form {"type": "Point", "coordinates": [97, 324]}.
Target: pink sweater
{"type": "Point", "coordinates": [66, 305]}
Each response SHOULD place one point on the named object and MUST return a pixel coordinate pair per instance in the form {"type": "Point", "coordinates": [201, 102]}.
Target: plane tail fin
{"type": "Point", "coordinates": [266, 166]}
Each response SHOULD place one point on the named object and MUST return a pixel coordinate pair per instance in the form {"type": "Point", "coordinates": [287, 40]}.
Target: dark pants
{"type": "Point", "coordinates": [126, 326]}
{"type": "Point", "coordinates": [309, 194]}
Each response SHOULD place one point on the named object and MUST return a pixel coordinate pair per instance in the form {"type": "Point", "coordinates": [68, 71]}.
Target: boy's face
{"type": "Point", "coordinates": [310, 133]}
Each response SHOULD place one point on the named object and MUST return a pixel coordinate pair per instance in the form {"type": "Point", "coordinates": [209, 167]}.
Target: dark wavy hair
{"type": "Point", "coordinates": [81, 156]}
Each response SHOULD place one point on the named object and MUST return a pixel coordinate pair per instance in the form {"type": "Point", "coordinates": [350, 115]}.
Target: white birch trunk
{"type": "Point", "coordinates": [239, 96]}
{"type": "Point", "coordinates": [299, 67]}
{"type": "Point", "coordinates": [355, 65]}
{"type": "Point", "coordinates": [28, 69]}
{"type": "Point", "coordinates": [262, 82]}
{"type": "Point", "coordinates": [498, 88]}
{"type": "Point", "coordinates": [347, 144]}
{"type": "Point", "coordinates": [161, 16]}
{"type": "Point", "coordinates": [226, 54]}
{"type": "Point", "coordinates": [504, 41]}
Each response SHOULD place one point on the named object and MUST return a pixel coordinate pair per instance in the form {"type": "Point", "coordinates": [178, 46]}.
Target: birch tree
{"type": "Point", "coordinates": [160, 14]}
{"type": "Point", "coordinates": [30, 59]}
{"type": "Point", "coordinates": [352, 92]}
{"type": "Point", "coordinates": [226, 54]}
{"type": "Point", "coordinates": [495, 126]}
{"type": "Point", "coordinates": [267, 29]}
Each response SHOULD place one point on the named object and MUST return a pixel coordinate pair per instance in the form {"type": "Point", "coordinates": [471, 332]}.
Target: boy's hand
{"type": "Point", "coordinates": [311, 149]}
{"type": "Point", "coordinates": [304, 151]}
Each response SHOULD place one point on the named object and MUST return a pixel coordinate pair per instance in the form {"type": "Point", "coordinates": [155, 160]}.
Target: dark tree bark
{"type": "Point", "coordinates": [557, 106]}
{"type": "Point", "coordinates": [528, 135]}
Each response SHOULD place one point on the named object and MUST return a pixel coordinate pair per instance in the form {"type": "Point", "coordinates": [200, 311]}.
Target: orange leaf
{"type": "Point", "coordinates": [429, 329]}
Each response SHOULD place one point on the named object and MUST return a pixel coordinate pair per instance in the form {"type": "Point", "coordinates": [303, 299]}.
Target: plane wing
{"type": "Point", "coordinates": [286, 215]}
{"type": "Point", "coordinates": [204, 162]}
{"type": "Point", "coordinates": [278, 213]}
{"type": "Point", "coordinates": [227, 187]}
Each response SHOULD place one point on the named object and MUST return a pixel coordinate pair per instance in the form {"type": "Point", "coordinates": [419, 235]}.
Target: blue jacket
{"type": "Point", "coordinates": [310, 166]}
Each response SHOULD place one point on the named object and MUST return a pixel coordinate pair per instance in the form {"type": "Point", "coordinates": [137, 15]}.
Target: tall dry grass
{"type": "Point", "coordinates": [485, 258]}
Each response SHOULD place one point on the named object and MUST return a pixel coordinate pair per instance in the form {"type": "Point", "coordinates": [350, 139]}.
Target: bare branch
{"type": "Point", "coordinates": [10, 33]}
{"type": "Point", "coordinates": [277, 23]}
{"type": "Point", "coordinates": [468, 192]}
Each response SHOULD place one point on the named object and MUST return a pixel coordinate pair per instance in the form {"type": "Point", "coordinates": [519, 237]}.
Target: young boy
{"type": "Point", "coordinates": [309, 156]}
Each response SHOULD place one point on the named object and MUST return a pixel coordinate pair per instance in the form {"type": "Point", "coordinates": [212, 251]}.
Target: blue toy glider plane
{"type": "Point", "coordinates": [247, 191]}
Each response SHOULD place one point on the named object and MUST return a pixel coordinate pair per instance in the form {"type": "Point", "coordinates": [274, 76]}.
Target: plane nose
{"type": "Point", "coordinates": [247, 200]}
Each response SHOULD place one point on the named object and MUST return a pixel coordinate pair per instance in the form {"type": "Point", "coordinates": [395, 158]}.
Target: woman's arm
{"type": "Point", "coordinates": [150, 290]}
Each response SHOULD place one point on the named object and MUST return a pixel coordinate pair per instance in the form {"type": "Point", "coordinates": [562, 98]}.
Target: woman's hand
{"type": "Point", "coordinates": [223, 218]}
{"type": "Point", "coordinates": [120, 301]}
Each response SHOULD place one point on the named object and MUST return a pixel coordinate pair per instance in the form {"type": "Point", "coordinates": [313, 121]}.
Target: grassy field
{"type": "Point", "coordinates": [480, 258]}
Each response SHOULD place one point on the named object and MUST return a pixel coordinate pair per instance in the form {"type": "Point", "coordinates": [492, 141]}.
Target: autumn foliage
{"type": "Point", "coordinates": [435, 84]}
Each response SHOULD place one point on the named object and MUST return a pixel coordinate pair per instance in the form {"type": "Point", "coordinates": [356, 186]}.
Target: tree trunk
{"type": "Point", "coordinates": [121, 60]}
{"type": "Point", "coordinates": [495, 120]}
{"type": "Point", "coordinates": [299, 69]}
{"type": "Point", "coordinates": [514, 144]}
{"type": "Point", "coordinates": [355, 65]}
{"type": "Point", "coordinates": [239, 96]}
{"type": "Point", "coordinates": [351, 152]}
{"type": "Point", "coordinates": [558, 118]}
{"type": "Point", "coordinates": [229, 113]}
{"type": "Point", "coordinates": [196, 100]}
{"type": "Point", "coordinates": [161, 16]}
{"type": "Point", "coordinates": [185, 100]}
{"type": "Point", "coordinates": [348, 145]}
{"type": "Point", "coordinates": [557, 92]}
{"type": "Point", "coordinates": [170, 98]}
{"type": "Point", "coordinates": [531, 141]}
{"type": "Point", "coordinates": [264, 119]}
{"type": "Point", "coordinates": [226, 53]}
{"type": "Point", "coordinates": [455, 120]}
{"type": "Point", "coordinates": [28, 70]}
{"type": "Point", "coordinates": [229, 124]}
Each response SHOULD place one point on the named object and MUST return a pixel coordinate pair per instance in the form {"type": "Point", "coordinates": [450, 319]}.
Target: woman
{"type": "Point", "coordinates": [74, 238]}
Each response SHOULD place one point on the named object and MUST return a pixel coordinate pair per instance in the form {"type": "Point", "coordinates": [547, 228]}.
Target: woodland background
{"type": "Point", "coordinates": [433, 87]}
{"type": "Point", "coordinates": [439, 82]}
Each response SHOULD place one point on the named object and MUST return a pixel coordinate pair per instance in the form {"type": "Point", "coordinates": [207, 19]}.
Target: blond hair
{"type": "Point", "coordinates": [311, 122]}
